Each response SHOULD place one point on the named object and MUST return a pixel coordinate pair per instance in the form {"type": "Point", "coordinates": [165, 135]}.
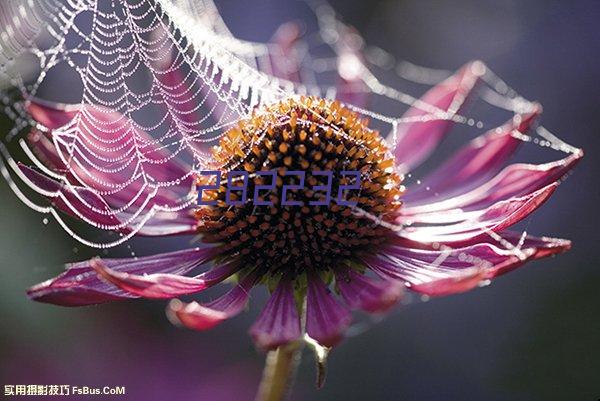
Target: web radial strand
{"type": "Point", "coordinates": [152, 84]}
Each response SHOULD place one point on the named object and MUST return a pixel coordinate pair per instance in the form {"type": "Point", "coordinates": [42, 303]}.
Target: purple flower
{"type": "Point", "coordinates": [445, 236]}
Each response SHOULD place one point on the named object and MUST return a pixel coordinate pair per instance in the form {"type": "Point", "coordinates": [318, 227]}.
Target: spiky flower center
{"type": "Point", "coordinates": [301, 134]}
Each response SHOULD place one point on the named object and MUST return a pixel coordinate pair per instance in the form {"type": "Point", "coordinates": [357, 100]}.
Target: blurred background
{"type": "Point", "coordinates": [531, 335]}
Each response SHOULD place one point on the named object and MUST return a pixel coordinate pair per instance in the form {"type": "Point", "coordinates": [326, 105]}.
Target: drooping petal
{"type": "Point", "coordinates": [198, 316]}
{"type": "Point", "coordinates": [472, 165]}
{"type": "Point", "coordinates": [176, 85]}
{"type": "Point", "coordinates": [98, 164]}
{"type": "Point", "coordinates": [278, 322]}
{"type": "Point", "coordinates": [163, 285]}
{"type": "Point", "coordinates": [432, 281]}
{"type": "Point", "coordinates": [439, 272]}
{"type": "Point", "coordinates": [80, 285]}
{"type": "Point", "coordinates": [76, 201]}
{"type": "Point", "coordinates": [192, 103]}
{"type": "Point", "coordinates": [106, 151]}
{"type": "Point", "coordinates": [85, 204]}
{"type": "Point", "coordinates": [45, 150]}
{"type": "Point", "coordinates": [480, 223]}
{"type": "Point", "coordinates": [417, 138]}
{"type": "Point", "coordinates": [534, 247]}
{"type": "Point", "coordinates": [370, 295]}
{"type": "Point", "coordinates": [52, 115]}
{"type": "Point", "coordinates": [516, 180]}
{"type": "Point", "coordinates": [326, 319]}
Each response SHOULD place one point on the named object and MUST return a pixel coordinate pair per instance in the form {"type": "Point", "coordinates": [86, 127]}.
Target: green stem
{"type": "Point", "coordinates": [279, 373]}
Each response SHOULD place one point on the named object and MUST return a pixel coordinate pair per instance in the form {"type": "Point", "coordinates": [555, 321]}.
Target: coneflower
{"type": "Point", "coordinates": [322, 252]}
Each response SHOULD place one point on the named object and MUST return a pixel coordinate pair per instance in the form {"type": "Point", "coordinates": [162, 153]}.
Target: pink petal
{"type": "Point", "coordinates": [278, 323]}
{"type": "Point", "coordinates": [46, 152]}
{"type": "Point", "coordinates": [52, 115]}
{"type": "Point", "coordinates": [417, 139]}
{"type": "Point", "coordinates": [197, 316]}
{"type": "Point", "coordinates": [87, 205]}
{"type": "Point", "coordinates": [162, 285]}
{"type": "Point", "coordinates": [426, 278]}
{"type": "Point", "coordinates": [479, 224]}
{"type": "Point", "coordinates": [326, 319]}
{"type": "Point", "coordinates": [105, 151]}
{"type": "Point", "coordinates": [449, 271]}
{"type": "Point", "coordinates": [76, 201]}
{"type": "Point", "coordinates": [362, 292]}
{"type": "Point", "coordinates": [451, 285]}
{"type": "Point", "coordinates": [191, 98]}
{"type": "Point", "coordinates": [168, 223]}
{"type": "Point", "coordinates": [514, 181]}
{"type": "Point", "coordinates": [472, 165]}
{"type": "Point", "coordinates": [177, 88]}
{"type": "Point", "coordinates": [533, 247]}
{"type": "Point", "coordinates": [80, 284]}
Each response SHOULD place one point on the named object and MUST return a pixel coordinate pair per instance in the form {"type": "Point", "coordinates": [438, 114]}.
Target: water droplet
{"type": "Point", "coordinates": [484, 283]}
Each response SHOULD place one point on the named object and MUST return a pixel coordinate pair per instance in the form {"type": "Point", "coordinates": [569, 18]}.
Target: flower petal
{"type": "Point", "coordinates": [106, 151]}
{"type": "Point", "coordinates": [95, 153]}
{"type": "Point", "coordinates": [534, 247]}
{"type": "Point", "coordinates": [514, 181]}
{"type": "Point", "coordinates": [448, 271]}
{"type": "Point", "coordinates": [176, 88]}
{"type": "Point", "coordinates": [45, 150]}
{"type": "Point", "coordinates": [278, 323]}
{"type": "Point", "coordinates": [52, 115]}
{"type": "Point", "coordinates": [190, 97]}
{"type": "Point", "coordinates": [197, 316]}
{"type": "Point", "coordinates": [479, 224]}
{"type": "Point", "coordinates": [162, 285]}
{"type": "Point", "coordinates": [326, 319]}
{"type": "Point", "coordinates": [472, 165]}
{"type": "Point", "coordinates": [362, 292]}
{"type": "Point", "coordinates": [418, 138]}
{"type": "Point", "coordinates": [85, 204]}
{"type": "Point", "coordinates": [80, 285]}
{"type": "Point", "coordinates": [76, 201]}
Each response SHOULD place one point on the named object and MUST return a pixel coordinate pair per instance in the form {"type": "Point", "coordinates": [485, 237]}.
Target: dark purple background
{"type": "Point", "coordinates": [532, 335]}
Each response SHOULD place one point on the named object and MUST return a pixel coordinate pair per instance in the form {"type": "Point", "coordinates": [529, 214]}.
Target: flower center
{"type": "Point", "coordinates": [323, 140]}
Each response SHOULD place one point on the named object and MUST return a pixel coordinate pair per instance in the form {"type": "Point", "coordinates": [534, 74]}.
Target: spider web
{"type": "Point", "coordinates": [152, 84]}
